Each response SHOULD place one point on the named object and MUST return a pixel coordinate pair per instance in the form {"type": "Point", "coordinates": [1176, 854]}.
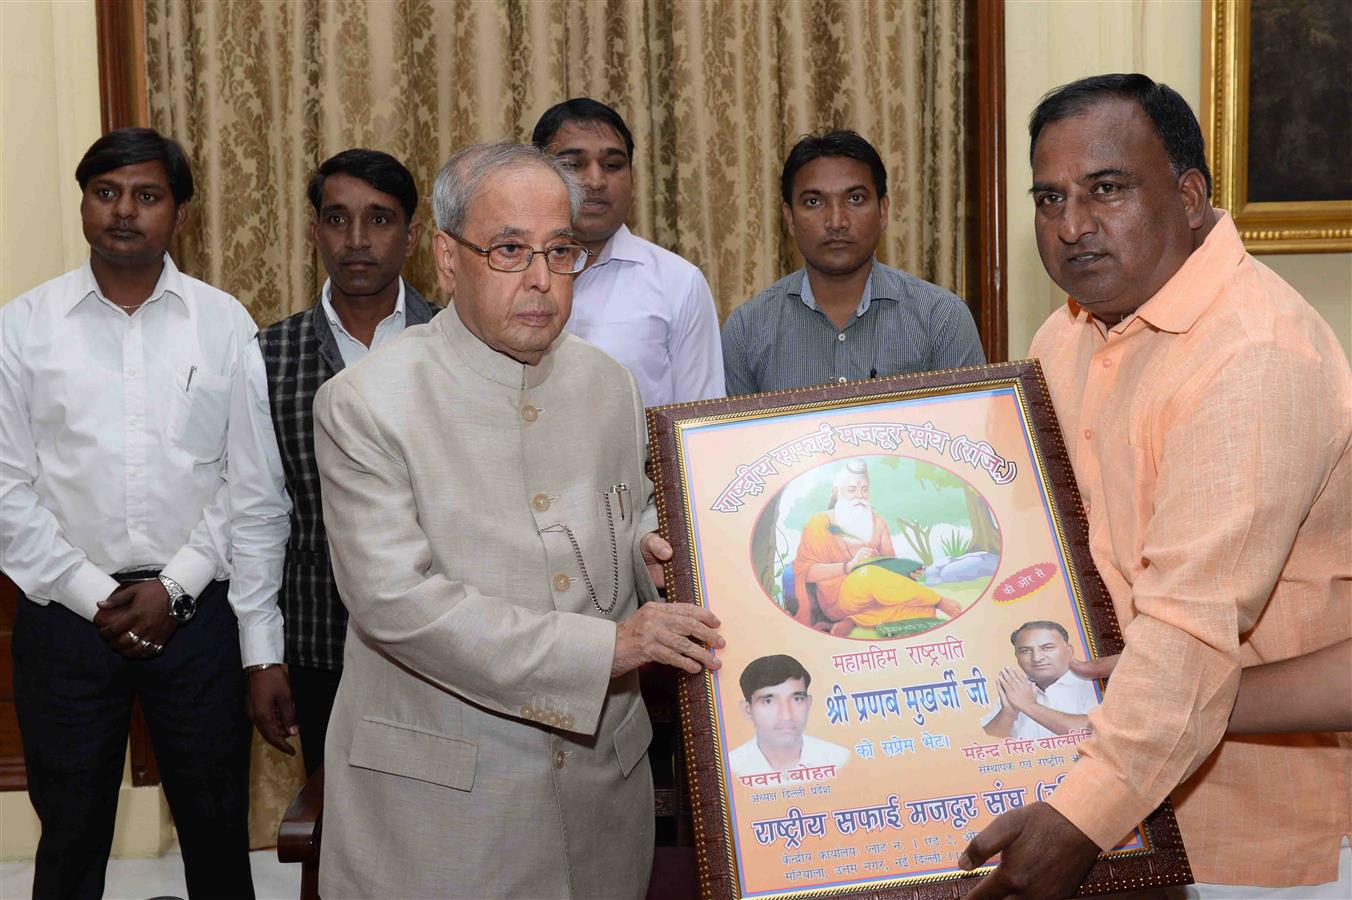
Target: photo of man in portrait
{"type": "Point", "coordinates": [1042, 697]}
{"type": "Point", "coordinates": [776, 700]}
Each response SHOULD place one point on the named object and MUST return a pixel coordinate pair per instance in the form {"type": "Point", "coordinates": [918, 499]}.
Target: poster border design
{"type": "Point", "coordinates": [1160, 862]}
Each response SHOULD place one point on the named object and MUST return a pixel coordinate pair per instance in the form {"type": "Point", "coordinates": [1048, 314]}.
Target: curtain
{"type": "Point", "coordinates": [715, 92]}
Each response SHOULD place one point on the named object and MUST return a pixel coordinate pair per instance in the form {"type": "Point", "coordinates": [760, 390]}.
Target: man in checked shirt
{"type": "Point", "coordinates": [364, 203]}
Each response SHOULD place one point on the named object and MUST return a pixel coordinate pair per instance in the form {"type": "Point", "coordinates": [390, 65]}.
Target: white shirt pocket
{"type": "Point", "coordinates": [201, 414]}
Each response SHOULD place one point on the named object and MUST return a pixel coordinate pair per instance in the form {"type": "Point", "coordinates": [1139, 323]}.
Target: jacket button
{"type": "Point", "coordinates": [559, 758]}
{"type": "Point", "coordinates": [540, 502]}
{"type": "Point", "coordinates": [530, 413]}
{"type": "Point", "coordinates": [562, 582]}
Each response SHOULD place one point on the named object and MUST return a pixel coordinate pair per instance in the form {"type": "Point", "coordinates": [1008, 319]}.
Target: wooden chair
{"type": "Point", "coordinates": [298, 836]}
{"type": "Point", "coordinates": [675, 875]}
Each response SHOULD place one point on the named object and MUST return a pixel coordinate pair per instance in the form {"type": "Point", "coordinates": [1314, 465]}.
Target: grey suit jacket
{"type": "Point", "coordinates": [478, 746]}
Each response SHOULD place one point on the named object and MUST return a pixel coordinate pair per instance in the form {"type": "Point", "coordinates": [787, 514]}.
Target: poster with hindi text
{"type": "Point", "coordinates": [902, 576]}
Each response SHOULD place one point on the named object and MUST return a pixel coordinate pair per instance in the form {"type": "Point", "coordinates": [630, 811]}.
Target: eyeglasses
{"type": "Point", "coordinates": [512, 256]}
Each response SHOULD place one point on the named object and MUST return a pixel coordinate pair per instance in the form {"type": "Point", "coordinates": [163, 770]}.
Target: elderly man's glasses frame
{"type": "Point", "coordinates": [514, 256]}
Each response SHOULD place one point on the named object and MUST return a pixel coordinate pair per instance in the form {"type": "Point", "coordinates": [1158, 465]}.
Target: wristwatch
{"type": "Point", "coordinates": [182, 606]}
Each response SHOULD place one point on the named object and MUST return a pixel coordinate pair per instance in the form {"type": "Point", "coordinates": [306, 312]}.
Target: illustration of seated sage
{"type": "Point", "coordinates": [876, 546]}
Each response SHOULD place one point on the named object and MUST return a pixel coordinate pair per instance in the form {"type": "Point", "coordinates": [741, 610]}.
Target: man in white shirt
{"type": "Point", "coordinates": [115, 402]}
{"type": "Point", "coordinates": [648, 308]}
{"type": "Point", "coordinates": [777, 703]}
{"type": "Point", "coordinates": [364, 202]}
{"type": "Point", "coordinates": [1047, 699]}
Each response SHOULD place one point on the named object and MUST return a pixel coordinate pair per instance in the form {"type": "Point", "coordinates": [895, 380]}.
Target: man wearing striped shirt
{"type": "Point", "coordinates": [844, 316]}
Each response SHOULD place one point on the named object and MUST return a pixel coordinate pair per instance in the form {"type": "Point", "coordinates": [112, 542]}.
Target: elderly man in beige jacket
{"type": "Point", "coordinates": [491, 532]}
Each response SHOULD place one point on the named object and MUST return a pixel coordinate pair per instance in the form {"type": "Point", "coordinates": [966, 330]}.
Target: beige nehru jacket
{"type": "Point", "coordinates": [478, 746]}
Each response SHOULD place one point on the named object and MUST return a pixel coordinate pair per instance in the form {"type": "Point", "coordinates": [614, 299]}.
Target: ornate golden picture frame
{"type": "Point", "coordinates": [877, 552]}
{"type": "Point", "coordinates": [1274, 76]}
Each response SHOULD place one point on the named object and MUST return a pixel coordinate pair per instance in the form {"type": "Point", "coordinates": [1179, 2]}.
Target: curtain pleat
{"type": "Point", "coordinates": [715, 92]}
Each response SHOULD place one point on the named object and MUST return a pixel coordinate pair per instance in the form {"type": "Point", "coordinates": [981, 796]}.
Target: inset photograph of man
{"type": "Point", "coordinates": [777, 702]}
{"type": "Point", "coordinates": [1042, 697]}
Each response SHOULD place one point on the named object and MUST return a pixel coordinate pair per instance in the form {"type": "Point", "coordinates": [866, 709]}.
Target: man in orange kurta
{"type": "Point", "coordinates": [1207, 410]}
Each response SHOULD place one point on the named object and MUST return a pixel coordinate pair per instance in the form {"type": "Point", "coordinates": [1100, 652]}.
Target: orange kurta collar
{"type": "Point", "coordinates": [1180, 303]}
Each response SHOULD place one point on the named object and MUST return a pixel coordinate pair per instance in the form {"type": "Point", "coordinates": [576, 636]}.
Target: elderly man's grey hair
{"type": "Point", "coordinates": [460, 178]}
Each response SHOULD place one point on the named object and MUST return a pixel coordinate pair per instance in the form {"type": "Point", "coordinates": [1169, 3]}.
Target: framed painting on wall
{"type": "Point", "coordinates": [1277, 117]}
{"type": "Point", "coordinates": [897, 564]}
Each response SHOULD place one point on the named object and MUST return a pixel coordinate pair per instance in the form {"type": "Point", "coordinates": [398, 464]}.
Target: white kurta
{"type": "Point", "coordinates": [478, 746]}
{"type": "Point", "coordinates": [1068, 694]}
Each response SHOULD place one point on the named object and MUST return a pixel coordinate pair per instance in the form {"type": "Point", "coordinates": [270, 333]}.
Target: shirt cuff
{"type": "Point", "coordinates": [81, 589]}
{"type": "Point", "coordinates": [1097, 802]}
{"type": "Point", "coordinates": [259, 644]}
{"type": "Point", "coordinates": [191, 570]}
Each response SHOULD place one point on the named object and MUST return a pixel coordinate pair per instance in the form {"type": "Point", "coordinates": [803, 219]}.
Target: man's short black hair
{"type": "Point", "coordinates": [769, 671]}
{"type": "Point", "coordinates": [129, 146]}
{"type": "Point", "coordinates": [840, 142]}
{"type": "Point", "coordinates": [1173, 119]}
{"type": "Point", "coordinates": [579, 109]}
{"type": "Point", "coordinates": [378, 169]}
{"type": "Point", "coordinates": [1041, 624]}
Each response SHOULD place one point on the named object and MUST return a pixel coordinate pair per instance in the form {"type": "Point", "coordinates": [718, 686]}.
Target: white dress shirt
{"type": "Point", "coordinates": [749, 760]}
{"type": "Point", "coordinates": [1068, 694]}
{"type": "Point", "coordinates": [652, 312]}
{"type": "Point", "coordinates": [112, 449]}
{"type": "Point", "coordinates": [260, 507]}
{"type": "Point", "coordinates": [349, 347]}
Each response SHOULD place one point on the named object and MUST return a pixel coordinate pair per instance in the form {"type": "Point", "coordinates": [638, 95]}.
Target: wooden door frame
{"type": "Point", "coordinates": [121, 27]}
{"type": "Point", "coordinates": [986, 238]}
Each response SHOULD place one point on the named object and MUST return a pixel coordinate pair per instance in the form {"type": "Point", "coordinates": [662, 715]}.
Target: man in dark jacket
{"type": "Point", "coordinates": [364, 202]}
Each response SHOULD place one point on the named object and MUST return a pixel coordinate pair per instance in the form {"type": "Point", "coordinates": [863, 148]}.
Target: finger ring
{"type": "Point", "coordinates": [156, 648]}
{"type": "Point", "coordinates": [144, 643]}
{"type": "Point", "coordinates": [136, 638]}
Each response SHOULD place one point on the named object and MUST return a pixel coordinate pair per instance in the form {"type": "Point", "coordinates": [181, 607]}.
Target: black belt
{"type": "Point", "coordinates": [137, 575]}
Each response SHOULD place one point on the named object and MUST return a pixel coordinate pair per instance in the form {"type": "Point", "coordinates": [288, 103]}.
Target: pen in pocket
{"type": "Point", "coordinates": [187, 387]}
{"type": "Point", "coordinates": [621, 492]}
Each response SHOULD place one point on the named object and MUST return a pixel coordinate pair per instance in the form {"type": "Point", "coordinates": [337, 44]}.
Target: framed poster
{"type": "Point", "coordinates": [902, 573]}
{"type": "Point", "coordinates": [1277, 117]}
